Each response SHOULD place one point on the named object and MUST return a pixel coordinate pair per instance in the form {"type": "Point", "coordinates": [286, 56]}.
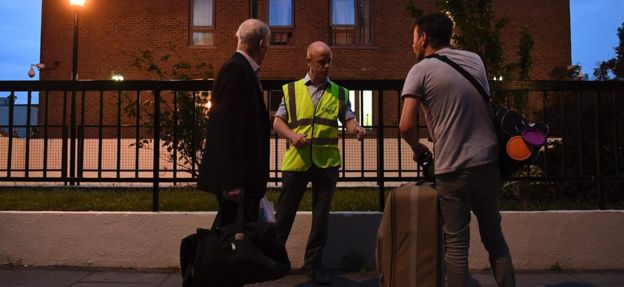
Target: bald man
{"type": "Point", "coordinates": [236, 157]}
{"type": "Point", "coordinates": [307, 117]}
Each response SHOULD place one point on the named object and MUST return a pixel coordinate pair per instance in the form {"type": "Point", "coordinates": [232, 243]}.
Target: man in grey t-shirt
{"type": "Point", "coordinates": [465, 147]}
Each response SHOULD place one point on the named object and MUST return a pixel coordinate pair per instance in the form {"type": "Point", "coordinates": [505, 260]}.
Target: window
{"type": "Point", "coordinates": [280, 13]}
{"type": "Point", "coordinates": [343, 12]}
{"type": "Point", "coordinates": [362, 105]}
{"type": "Point", "coordinates": [351, 22]}
{"type": "Point", "coordinates": [202, 22]}
{"type": "Point", "coordinates": [281, 21]}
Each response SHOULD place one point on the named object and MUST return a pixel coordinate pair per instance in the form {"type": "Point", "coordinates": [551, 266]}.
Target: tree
{"type": "Point", "coordinates": [183, 126]}
{"type": "Point", "coordinates": [525, 46]}
{"type": "Point", "coordinates": [570, 72]}
{"type": "Point", "coordinates": [479, 32]}
{"type": "Point", "coordinates": [615, 65]}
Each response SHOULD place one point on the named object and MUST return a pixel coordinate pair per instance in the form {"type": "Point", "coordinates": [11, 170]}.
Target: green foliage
{"type": "Point", "coordinates": [516, 196]}
{"type": "Point", "coordinates": [602, 72]}
{"type": "Point", "coordinates": [570, 72]}
{"type": "Point", "coordinates": [414, 10]}
{"type": "Point", "coordinates": [183, 115]}
{"type": "Point", "coordinates": [556, 267]}
{"type": "Point", "coordinates": [613, 69]}
{"type": "Point", "coordinates": [479, 32]}
{"type": "Point", "coordinates": [525, 46]}
{"type": "Point", "coordinates": [170, 66]}
{"type": "Point", "coordinates": [355, 262]}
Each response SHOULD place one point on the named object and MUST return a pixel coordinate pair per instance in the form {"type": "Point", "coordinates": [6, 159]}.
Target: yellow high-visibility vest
{"type": "Point", "coordinates": [320, 125]}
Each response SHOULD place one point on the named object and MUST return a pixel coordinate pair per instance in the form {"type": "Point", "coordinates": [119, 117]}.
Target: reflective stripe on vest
{"type": "Point", "coordinates": [319, 124]}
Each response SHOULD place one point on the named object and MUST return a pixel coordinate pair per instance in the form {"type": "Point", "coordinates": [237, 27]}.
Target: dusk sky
{"type": "Point", "coordinates": [594, 26]}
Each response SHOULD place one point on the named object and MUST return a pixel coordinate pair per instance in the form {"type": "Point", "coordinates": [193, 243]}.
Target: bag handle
{"type": "Point", "coordinates": [240, 216]}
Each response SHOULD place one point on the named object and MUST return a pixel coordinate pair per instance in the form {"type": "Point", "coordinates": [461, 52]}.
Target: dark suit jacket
{"type": "Point", "coordinates": [237, 144]}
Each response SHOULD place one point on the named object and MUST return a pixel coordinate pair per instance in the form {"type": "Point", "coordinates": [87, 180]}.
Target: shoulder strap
{"type": "Point", "coordinates": [466, 74]}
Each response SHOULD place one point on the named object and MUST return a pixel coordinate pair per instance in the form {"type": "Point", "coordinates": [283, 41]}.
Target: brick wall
{"type": "Point", "coordinates": [110, 30]}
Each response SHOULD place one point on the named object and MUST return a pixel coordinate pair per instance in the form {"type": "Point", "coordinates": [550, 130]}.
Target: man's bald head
{"type": "Point", "coordinates": [319, 57]}
{"type": "Point", "coordinates": [318, 48]}
{"type": "Point", "coordinates": [253, 38]}
{"type": "Point", "coordinates": [252, 31]}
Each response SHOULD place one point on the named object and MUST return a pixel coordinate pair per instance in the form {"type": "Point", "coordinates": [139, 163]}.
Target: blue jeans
{"type": "Point", "coordinates": [477, 189]}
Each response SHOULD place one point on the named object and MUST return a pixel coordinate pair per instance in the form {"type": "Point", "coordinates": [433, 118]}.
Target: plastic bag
{"type": "Point", "coordinates": [266, 212]}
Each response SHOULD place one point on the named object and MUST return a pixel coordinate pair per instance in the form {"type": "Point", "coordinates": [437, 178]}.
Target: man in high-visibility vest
{"type": "Point", "coordinates": [307, 117]}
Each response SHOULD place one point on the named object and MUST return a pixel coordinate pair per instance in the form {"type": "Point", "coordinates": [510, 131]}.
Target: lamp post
{"type": "Point", "coordinates": [75, 4]}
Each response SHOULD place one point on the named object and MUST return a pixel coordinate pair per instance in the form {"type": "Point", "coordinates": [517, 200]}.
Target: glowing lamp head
{"type": "Point", "coordinates": [77, 3]}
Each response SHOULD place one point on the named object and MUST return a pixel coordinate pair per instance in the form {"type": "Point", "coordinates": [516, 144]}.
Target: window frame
{"type": "Point", "coordinates": [359, 34]}
{"type": "Point", "coordinates": [201, 29]}
{"type": "Point", "coordinates": [292, 16]}
{"type": "Point", "coordinates": [355, 16]}
{"type": "Point", "coordinates": [285, 33]}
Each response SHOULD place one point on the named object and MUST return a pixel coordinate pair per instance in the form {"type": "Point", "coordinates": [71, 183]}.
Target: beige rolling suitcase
{"type": "Point", "coordinates": [409, 240]}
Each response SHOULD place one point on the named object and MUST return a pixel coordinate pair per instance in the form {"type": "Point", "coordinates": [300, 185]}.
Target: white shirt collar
{"type": "Point", "coordinates": [254, 66]}
{"type": "Point", "coordinates": [308, 80]}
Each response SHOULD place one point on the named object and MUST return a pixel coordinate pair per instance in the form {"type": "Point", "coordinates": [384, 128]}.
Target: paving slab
{"type": "Point", "coordinates": [125, 276]}
{"type": "Point", "coordinates": [40, 277]}
{"type": "Point", "coordinates": [604, 278]}
{"type": "Point", "coordinates": [77, 277]}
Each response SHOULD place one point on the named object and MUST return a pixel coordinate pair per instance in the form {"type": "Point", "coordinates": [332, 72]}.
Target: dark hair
{"type": "Point", "coordinates": [438, 27]}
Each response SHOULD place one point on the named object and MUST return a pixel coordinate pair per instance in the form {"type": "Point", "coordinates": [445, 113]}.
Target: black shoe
{"type": "Point", "coordinates": [302, 271]}
{"type": "Point", "coordinates": [320, 277]}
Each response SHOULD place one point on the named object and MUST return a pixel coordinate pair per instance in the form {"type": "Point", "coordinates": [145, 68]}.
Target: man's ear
{"type": "Point", "coordinates": [425, 39]}
{"type": "Point", "coordinates": [263, 44]}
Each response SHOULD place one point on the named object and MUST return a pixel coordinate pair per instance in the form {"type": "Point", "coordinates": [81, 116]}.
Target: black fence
{"type": "Point", "coordinates": [105, 131]}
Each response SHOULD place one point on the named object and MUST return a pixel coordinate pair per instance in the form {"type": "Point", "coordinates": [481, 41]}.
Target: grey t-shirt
{"type": "Point", "coordinates": [456, 114]}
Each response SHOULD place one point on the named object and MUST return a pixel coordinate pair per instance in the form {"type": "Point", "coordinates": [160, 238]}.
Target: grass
{"type": "Point", "coordinates": [189, 199]}
{"type": "Point", "coordinates": [140, 199]}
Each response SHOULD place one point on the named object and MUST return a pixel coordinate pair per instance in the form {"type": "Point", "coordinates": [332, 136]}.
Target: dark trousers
{"type": "Point", "coordinates": [323, 188]}
{"type": "Point", "coordinates": [477, 189]}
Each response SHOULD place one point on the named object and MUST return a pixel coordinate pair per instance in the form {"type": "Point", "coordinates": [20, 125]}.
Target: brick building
{"type": "Point", "coordinates": [371, 39]}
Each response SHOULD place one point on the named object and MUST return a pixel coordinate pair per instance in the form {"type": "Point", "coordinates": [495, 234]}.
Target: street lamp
{"type": "Point", "coordinates": [76, 4]}
{"type": "Point", "coordinates": [31, 72]}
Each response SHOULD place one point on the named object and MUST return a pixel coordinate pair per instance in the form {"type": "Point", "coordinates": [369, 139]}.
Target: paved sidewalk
{"type": "Point", "coordinates": [74, 277]}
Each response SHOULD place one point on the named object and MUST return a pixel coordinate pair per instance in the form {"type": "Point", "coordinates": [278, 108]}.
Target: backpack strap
{"type": "Point", "coordinates": [466, 74]}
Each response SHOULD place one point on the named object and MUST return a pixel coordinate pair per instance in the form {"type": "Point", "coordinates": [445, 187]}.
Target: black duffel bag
{"type": "Point", "coordinates": [232, 255]}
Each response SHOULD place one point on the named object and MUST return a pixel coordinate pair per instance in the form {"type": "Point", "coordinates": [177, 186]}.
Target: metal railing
{"type": "Point", "coordinates": [105, 131]}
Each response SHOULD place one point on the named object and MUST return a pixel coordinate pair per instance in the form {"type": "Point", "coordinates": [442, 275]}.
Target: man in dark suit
{"type": "Point", "coordinates": [235, 163]}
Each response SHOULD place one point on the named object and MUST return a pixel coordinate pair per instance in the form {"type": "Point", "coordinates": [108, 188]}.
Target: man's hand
{"type": "Point", "coordinates": [233, 195]}
{"type": "Point", "coordinates": [359, 132]}
{"type": "Point", "coordinates": [420, 152]}
{"type": "Point", "coordinates": [299, 140]}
